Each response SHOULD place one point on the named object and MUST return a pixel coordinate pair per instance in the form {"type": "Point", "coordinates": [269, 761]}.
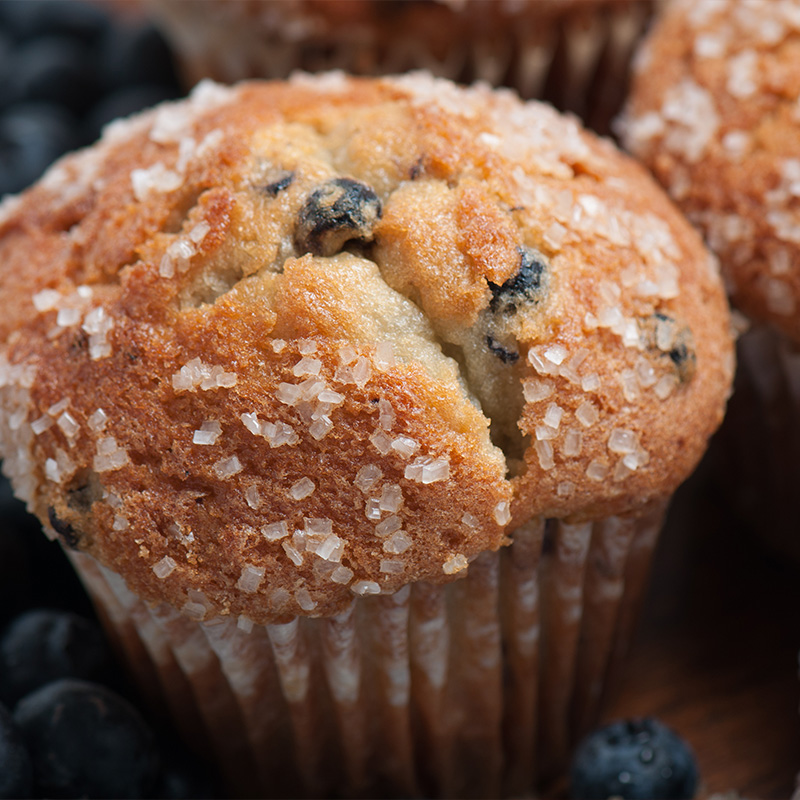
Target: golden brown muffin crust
{"type": "Point", "coordinates": [283, 344]}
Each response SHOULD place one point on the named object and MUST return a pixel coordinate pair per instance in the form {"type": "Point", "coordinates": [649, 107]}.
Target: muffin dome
{"type": "Point", "coordinates": [283, 344]}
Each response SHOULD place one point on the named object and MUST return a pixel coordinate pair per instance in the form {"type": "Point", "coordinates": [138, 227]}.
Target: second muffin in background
{"type": "Point", "coordinates": [715, 113]}
{"type": "Point", "coordinates": [573, 53]}
{"type": "Point", "coordinates": [358, 403]}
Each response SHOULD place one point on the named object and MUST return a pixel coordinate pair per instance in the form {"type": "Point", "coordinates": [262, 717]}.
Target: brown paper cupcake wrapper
{"type": "Point", "coordinates": [758, 447]}
{"type": "Point", "coordinates": [474, 689]}
{"type": "Point", "coordinates": [573, 54]}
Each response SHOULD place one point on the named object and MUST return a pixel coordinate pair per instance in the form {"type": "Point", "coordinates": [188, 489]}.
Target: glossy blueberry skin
{"type": "Point", "coordinates": [43, 645]}
{"type": "Point", "coordinates": [635, 760]}
{"type": "Point", "coordinates": [86, 741]}
{"type": "Point", "coordinates": [16, 770]}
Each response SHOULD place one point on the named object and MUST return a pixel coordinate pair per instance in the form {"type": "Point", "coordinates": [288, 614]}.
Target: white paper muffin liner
{"type": "Point", "coordinates": [477, 688]}
{"type": "Point", "coordinates": [574, 54]}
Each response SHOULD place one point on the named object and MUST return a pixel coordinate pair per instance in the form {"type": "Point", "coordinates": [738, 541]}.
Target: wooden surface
{"type": "Point", "coordinates": [716, 653]}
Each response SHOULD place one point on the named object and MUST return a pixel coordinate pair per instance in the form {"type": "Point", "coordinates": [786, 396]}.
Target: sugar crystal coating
{"type": "Point", "coordinates": [321, 360]}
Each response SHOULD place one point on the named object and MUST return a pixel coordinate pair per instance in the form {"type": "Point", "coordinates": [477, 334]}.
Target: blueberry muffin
{"type": "Point", "coordinates": [342, 394]}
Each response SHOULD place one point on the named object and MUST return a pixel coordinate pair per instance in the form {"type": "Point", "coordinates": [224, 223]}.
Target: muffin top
{"type": "Point", "coordinates": [283, 344]}
{"type": "Point", "coordinates": [714, 112]}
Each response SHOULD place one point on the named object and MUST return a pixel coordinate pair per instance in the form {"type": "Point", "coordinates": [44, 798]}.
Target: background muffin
{"type": "Point", "coordinates": [574, 53]}
{"type": "Point", "coordinates": [714, 113]}
{"type": "Point", "coordinates": [283, 347]}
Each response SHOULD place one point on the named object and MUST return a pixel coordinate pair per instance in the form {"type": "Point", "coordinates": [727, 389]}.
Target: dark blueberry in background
{"type": "Point", "coordinates": [86, 741]}
{"type": "Point", "coordinates": [634, 760]}
{"type": "Point", "coordinates": [43, 645]}
{"type": "Point", "coordinates": [57, 70]}
{"type": "Point", "coordinates": [7, 89]}
{"type": "Point", "coordinates": [16, 771]}
{"type": "Point", "coordinates": [32, 136]}
{"type": "Point", "coordinates": [135, 54]}
{"type": "Point", "coordinates": [122, 103]}
{"type": "Point", "coordinates": [26, 19]}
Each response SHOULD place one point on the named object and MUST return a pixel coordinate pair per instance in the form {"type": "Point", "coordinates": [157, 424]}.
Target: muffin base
{"type": "Point", "coordinates": [478, 688]}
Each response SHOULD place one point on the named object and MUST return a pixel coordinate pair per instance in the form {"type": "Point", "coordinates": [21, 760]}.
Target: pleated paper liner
{"type": "Point", "coordinates": [573, 53]}
{"type": "Point", "coordinates": [478, 688]}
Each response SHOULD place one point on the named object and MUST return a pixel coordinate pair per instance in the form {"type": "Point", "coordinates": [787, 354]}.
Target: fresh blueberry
{"type": "Point", "coordinates": [32, 136]}
{"type": "Point", "coordinates": [86, 741]}
{"type": "Point", "coordinates": [44, 645]}
{"type": "Point", "coordinates": [16, 772]}
{"type": "Point", "coordinates": [130, 55]}
{"type": "Point", "coordinates": [635, 760]}
{"type": "Point", "coordinates": [58, 70]}
{"type": "Point", "coordinates": [84, 22]}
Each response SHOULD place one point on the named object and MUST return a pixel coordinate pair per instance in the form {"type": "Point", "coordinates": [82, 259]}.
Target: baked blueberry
{"type": "Point", "coordinates": [276, 186]}
{"type": "Point", "coordinates": [86, 741]}
{"type": "Point", "coordinates": [337, 212]}
{"type": "Point", "coordinates": [527, 286]}
{"type": "Point", "coordinates": [43, 645]}
{"type": "Point", "coordinates": [503, 353]}
{"type": "Point", "coordinates": [16, 772]}
{"type": "Point", "coordinates": [638, 759]}
{"type": "Point", "coordinates": [667, 337]}
{"type": "Point", "coordinates": [68, 535]}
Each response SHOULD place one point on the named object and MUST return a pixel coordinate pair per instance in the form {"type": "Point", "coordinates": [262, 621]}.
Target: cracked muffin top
{"type": "Point", "coordinates": [283, 344]}
{"type": "Point", "coordinates": [714, 113]}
